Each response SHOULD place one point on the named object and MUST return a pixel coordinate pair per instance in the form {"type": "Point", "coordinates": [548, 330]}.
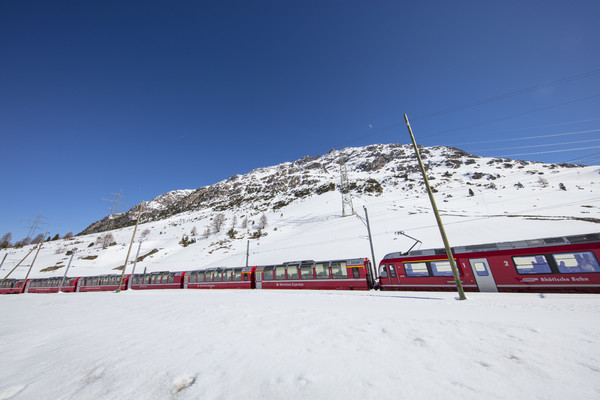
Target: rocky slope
{"type": "Point", "coordinates": [371, 170]}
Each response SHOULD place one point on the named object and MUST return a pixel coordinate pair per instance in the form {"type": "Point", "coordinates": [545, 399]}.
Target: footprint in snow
{"type": "Point", "coordinates": [8, 393]}
{"type": "Point", "coordinates": [182, 382]}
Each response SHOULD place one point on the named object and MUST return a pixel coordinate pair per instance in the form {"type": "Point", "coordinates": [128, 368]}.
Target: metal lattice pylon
{"type": "Point", "coordinates": [347, 207]}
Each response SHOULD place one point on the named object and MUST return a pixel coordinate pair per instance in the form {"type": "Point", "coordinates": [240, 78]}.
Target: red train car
{"type": "Point", "coordinates": [222, 278]}
{"type": "Point", "coordinates": [12, 286]}
{"type": "Point", "coordinates": [158, 280]}
{"type": "Point", "coordinates": [560, 264]}
{"type": "Point", "coordinates": [350, 274]}
{"type": "Point", "coordinates": [100, 283]}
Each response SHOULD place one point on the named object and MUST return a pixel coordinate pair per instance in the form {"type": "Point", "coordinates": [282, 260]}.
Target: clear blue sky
{"type": "Point", "coordinates": [152, 96]}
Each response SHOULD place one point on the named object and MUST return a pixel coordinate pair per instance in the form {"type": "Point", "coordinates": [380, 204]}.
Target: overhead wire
{"type": "Point", "coordinates": [510, 94]}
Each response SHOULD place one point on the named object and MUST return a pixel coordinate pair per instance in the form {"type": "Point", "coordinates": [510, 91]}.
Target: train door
{"type": "Point", "coordinates": [258, 276]}
{"type": "Point", "coordinates": [483, 275]}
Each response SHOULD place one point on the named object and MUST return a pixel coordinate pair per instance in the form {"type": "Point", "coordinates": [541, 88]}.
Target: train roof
{"type": "Point", "coordinates": [519, 244]}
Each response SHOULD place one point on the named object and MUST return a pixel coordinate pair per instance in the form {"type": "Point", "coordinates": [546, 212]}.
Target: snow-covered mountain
{"type": "Point", "coordinates": [294, 211]}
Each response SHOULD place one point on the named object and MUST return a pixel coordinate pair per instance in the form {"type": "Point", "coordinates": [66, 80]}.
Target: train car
{"type": "Point", "coordinates": [222, 278]}
{"type": "Point", "coordinates": [158, 280]}
{"type": "Point", "coordinates": [350, 274]}
{"type": "Point", "coordinates": [559, 264]}
{"type": "Point", "coordinates": [43, 285]}
{"type": "Point", "coordinates": [12, 286]}
{"type": "Point", "coordinates": [100, 283]}
{"type": "Point", "coordinates": [51, 285]}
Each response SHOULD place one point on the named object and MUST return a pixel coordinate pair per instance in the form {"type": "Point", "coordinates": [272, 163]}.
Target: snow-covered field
{"type": "Point", "coordinates": [189, 344]}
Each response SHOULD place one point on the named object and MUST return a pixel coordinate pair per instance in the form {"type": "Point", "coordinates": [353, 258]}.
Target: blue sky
{"type": "Point", "coordinates": [152, 96]}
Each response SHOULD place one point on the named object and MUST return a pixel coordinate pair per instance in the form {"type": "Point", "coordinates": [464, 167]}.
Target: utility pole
{"type": "Point", "coordinates": [34, 258]}
{"type": "Point", "coordinates": [374, 265]}
{"type": "Point", "coordinates": [247, 252]}
{"type": "Point", "coordinates": [134, 264]}
{"type": "Point", "coordinates": [19, 263]}
{"type": "Point", "coordinates": [345, 189]}
{"type": "Point", "coordinates": [130, 245]}
{"type": "Point", "coordinates": [459, 286]}
{"type": "Point", "coordinates": [35, 225]}
{"type": "Point", "coordinates": [113, 210]}
{"type": "Point", "coordinates": [66, 271]}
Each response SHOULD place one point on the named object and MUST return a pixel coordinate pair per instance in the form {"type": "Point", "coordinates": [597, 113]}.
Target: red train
{"type": "Point", "coordinates": [560, 264]}
{"type": "Point", "coordinates": [351, 274]}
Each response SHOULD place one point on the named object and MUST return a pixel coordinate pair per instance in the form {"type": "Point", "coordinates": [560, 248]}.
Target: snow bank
{"type": "Point", "coordinates": [233, 344]}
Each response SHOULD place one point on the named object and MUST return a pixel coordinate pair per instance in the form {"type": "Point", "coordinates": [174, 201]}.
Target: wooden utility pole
{"type": "Point", "coordinates": [459, 286]}
{"type": "Point", "coordinates": [66, 271]}
{"type": "Point", "coordinates": [130, 245]}
{"type": "Point", "coordinates": [34, 258]}
{"type": "Point", "coordinates": [19, 263]}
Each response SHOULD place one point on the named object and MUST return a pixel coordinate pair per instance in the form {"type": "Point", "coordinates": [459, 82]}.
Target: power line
{"type": "Point", "coordinates": [540, 145]}
{"type": "Point", "coordinates": [510, 94]}
{"type": "Point", "coordinates": [513, 116]}
{"type": "Point", "coordinates": [552, 151]}
{"type": "Point", "coordinates": [529, 137]}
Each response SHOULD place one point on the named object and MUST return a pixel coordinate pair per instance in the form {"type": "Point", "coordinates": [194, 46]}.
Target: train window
{"type": "Point", "coordinates": [322, 270]}
{"type": "Point", "coordinates": [339, 270]}
{"type": "Point", "coordinates": [218, 276]}
{"type": "Point", "coordinates": [441, 268]}
{"type": "Point", "coordinates": [481, 268]}
{"type": "Point", "coordinates": [306, 271]}
{"type": "Point", "coordinates": [355, 273]}
{"type": "Point", "coordinates": [268, 274]}
{"type": "Point", "coordinates": [576, 262]}
{"type": "Point", "coordinates": [383, 272]}
{"type": "Point", "coordinates": [292, 271]}
{"type": "Point", "coordinates": [532, 265]}
{"type": "Point", "coordinates": [416, 269]}
{"type": "Point", "coordinates": [207, 277]}
{"type": "Point", "coordinates": [280, 272]}
{"type": "Point", "coordinates": [392, 271]}
{"type": "Point", "coordinates": [237, 274]}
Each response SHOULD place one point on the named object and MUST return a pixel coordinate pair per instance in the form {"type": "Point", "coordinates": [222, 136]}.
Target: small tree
{"type": "Point", "coordinates": [69, 235]}
{"type": "Point", "coordinates": [106, 240]}
{"type": "Point", "coordinates": [38, 238]}
{"type": "Point", "coordinates": [218, 222]}
{"type": "Point", "coordinates": [263, 221]}
{"type": "Point", "coordinates": [471, 193]}
{"type": "Point", "coordinates": [562, 186]}
{"type": "Point", "coordinates": [5, 240]}
{"type": "Point", "coordinates": [186, 241]}
{"type": "Point", "coordinates": [56, 237]}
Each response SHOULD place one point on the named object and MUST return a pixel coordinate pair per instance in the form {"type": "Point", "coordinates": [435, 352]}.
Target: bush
{"type": "Point", "coordinates": [186, 241]}
{"type": "Point", "coordinates": [231, 233]}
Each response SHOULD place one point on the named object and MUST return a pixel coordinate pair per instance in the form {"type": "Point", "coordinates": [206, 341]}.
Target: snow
{"type": "Point", "coordinates": [235, 344]}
